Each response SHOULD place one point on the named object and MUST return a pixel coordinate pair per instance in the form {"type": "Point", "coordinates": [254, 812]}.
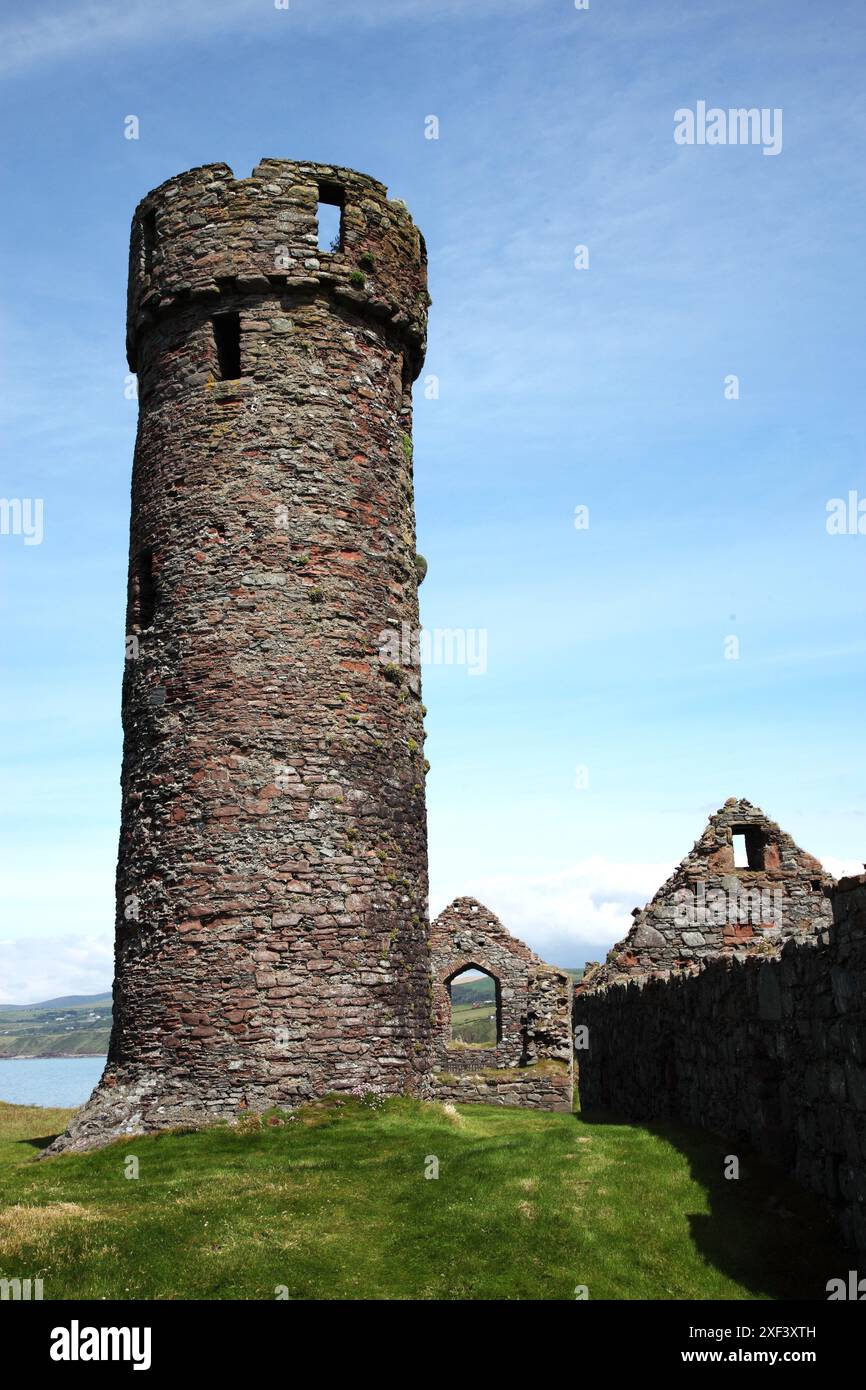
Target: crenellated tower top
{"type": "Point", "coordinates": [205, 236]}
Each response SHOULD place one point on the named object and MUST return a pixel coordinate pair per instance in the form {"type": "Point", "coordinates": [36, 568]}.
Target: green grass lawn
{"type": "Point", "coordinates": [334, 1204]}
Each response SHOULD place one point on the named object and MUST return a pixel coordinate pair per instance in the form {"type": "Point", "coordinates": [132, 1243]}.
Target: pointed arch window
{"type": "Point", "coordinates": [476, 1007]}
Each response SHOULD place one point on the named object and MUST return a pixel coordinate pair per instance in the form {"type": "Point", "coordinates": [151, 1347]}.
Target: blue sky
{"type": "Point", "coordinates": [559, 387]}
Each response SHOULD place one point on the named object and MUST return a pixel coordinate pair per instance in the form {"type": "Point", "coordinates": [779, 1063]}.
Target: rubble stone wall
{"type": "Point", "coordinates": [770, 1051]}
{"type": "Point", "coordinates": [710, 906]}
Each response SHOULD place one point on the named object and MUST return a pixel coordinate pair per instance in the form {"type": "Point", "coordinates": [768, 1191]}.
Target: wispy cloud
{"type": "Point", "coordinates": [557, 388]}
{"type": "Point", "coordinates": [61, 32]}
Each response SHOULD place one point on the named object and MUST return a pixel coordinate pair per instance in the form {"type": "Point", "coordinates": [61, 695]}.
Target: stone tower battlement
{"type": "Point", "coordinates": [204, 238]}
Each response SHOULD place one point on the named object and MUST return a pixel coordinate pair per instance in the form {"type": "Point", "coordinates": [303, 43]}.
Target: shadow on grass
{"type": "Point", "coordinates": [41, 1142]}
{"type": "Point", "coordinates": [762, 1230]}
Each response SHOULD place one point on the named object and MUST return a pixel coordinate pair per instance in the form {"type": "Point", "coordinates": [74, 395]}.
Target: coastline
{"type": "Point", "coordinates": [47, 1056]}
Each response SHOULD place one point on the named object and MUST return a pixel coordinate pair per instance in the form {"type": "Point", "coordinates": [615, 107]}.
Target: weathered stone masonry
{"type": "Point", "coordinates": [272, 876]}
{"type": "Point", "coordinates": [761, 1042]}
{"type": "Point", "coordinates": [710, 907]}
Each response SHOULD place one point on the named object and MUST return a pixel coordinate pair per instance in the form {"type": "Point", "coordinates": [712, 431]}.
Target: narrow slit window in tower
{"type": "Point", "coordinates": [329, 215]}
{"type": "Point", "coordinates": [145, 595]}
{"type": "Point", "coordinates": [148, 237]}
{"type": "Point", "coordinates": [227, 336]}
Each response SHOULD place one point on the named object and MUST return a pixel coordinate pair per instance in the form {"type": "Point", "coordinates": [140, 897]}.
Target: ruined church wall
{"type": "Point", "coordinates": [531, 1064]}
{"type": "Point", "coordinates": [771, 1052]}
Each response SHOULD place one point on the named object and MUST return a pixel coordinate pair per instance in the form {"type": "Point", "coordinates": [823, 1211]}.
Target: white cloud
{"type": "Point", "coordinates": [841, 868]}
{"type": "Point", "coordinates": [569, 916]}
{"type": "Point", "coordinates": [36, 968]}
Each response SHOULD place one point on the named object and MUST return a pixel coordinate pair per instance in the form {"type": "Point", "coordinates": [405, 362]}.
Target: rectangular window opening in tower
{"type": "Point", "coordinates": [148, 239]}
{"type": "Point", "coordinates": [227, 336]}
{"type": "Point", "coordinates": [329, 214]}
{"type": "Point", "coordinates": [145, 590]}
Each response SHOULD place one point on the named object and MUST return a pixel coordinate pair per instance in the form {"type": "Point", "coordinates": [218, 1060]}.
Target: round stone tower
{"type": "Point", "coordinates": [272, 934]}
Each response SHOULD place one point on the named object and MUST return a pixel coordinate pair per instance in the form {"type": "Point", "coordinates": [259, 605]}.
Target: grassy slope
{"type": "Point", "coordinates": [465, 991]}
{"type": "Point", "coordinates": [30, 1043]}
{"type": "Point", "coordinates": [56, 1028]}
{"type": "Point", "coordinates": [334, 1204]}
{"type": "Point", "coordinates": [467, 1021]}
{"type": "Point", "coordinates": [64, 1003]}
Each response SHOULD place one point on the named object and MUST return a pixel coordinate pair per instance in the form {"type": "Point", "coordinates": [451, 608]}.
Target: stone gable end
{"type": "Point", "coordinates": [714, 905]}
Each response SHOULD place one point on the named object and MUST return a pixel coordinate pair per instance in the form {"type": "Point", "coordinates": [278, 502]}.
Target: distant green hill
{"type": "Point", "coordinates": [65, 1001]}
{"type": "Point", "coordinates": [77, 1025]}
{"type": "Point", "coordinates": [473, 991]}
